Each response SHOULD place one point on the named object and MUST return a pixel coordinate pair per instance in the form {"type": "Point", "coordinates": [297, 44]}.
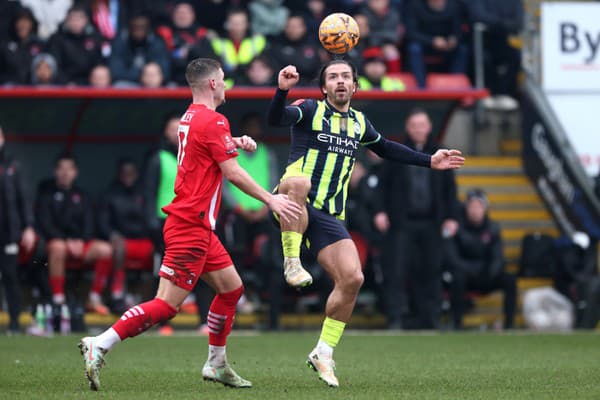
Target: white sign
{"type": "Point", "coordinates": [571, 46]}
{"type": "Point", "coordinates": [577, 114]}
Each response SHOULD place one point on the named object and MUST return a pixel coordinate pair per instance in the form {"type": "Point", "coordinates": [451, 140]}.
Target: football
{"type": "Point", "coordinates": [338, 33]}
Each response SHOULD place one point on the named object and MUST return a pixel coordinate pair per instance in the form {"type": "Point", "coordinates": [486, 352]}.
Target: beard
{"type": "Point", "coordinates": [340, 99]}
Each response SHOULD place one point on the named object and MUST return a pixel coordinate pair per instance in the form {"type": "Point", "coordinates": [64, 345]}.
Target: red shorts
{"type": "Point", "coordinates": [138, 253]}
{"type": "Point", "coordinates": [77, 262]}
{"type": "Point", "coordinates": [190, 251]}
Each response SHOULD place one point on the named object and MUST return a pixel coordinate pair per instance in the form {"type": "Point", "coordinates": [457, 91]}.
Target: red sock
{"type": "Point", "coordinates": [393, 65]}
{"type": "Point", "coordinates": [220, 316]}
{"type": "Point", "coordinates": [57, 284]}
{"type": "Point", "coordinates": [118, 283]}
{"type": "Point", "coordinates": [142, 317]}
{"type": "Point", "coordinates": [102, 269]}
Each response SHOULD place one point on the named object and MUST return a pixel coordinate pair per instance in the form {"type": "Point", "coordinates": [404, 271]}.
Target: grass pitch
{"type": "Point", "coordinates": [369, 366]}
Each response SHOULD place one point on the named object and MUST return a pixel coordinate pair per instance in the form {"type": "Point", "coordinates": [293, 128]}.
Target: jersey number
{"type": "Point", "coordinates": [182, 135]}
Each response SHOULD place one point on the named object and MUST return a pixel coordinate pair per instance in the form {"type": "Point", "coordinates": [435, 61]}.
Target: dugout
{"type": "Point", "coordinates": [99, 126]}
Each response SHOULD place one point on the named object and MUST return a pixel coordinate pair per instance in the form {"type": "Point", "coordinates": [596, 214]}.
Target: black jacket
{"type": "Point", "coordinates": [15, 60]}
{"type": "Point", "coordinates": [302, 53]}
{"type": "Point", "coordinates": [64, 214]}
{"type": "Point", "coordinates": [127, 58]}
{"type": "Point", "coordinates": [394, 191]}
{"type": "Point", "coordinates": [361, 202]}
{"type": "Point", "coordinates": [423, 23]}
{"type": "Point", "coordinates": [122, 212]}
{"type": "Point", "coordinates": [16, 211]}
{"type": "Point", "coordinates": [76, 55]}
{"type": "Point", "coordinates": [476, 250]}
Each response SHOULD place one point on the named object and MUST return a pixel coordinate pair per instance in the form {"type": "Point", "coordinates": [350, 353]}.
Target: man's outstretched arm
{"type": "Point", "coordinates": [441, 159]}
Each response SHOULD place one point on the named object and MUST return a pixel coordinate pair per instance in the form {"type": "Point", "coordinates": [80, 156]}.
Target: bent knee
{"type": "Point", "coordinates": [100, 250]}
{"type": "Point", "coordinates": [354, 280]}
{"type": "Point", "coordinates": [57, 248]}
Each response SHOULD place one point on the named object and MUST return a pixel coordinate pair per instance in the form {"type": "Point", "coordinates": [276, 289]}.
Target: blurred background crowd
{"type": "Point", "coordinates": [120, 43]}
{"type": "Point", "coordinates": [425, 253]}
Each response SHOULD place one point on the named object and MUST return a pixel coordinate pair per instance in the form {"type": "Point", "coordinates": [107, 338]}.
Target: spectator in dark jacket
{"type": "Point", "coordinates": [260, 72]}
{"type": "Point", "coordinates": [314, 12]}
{"type": "Point", "coordinates": [295, 47]}
{"type": "Point", "coordinates": [212, 13]}
{"type": "Point", "coordinates": [185, 39]}
{"type": "Point", "coordinates": [16, 227]}
{"type": "Point", "coordinates": [433, 28]}
{"type": "Point", "coordinates": [77, 46]}
{"type": "Point", "coordinates": [134, 48]}
{"type": "Point", "coordinates": [7, 12]}
{"type": "Point", "coordinates": [576, 276]}
{"type": "Point", "coordinates": [416, 205]}
{"type": "Point", "coordinates": [19, 48]}
{"type": "Point", "coordinates": [121, 222]}
{"type": "Point", "coordinates": [65, 219]}
{"type": "Point", "coordinates": [475, 259]}
{"type": "Point", "coordinates": [502, 19]}
{"type": "Point", "coordinates": [384, 25]}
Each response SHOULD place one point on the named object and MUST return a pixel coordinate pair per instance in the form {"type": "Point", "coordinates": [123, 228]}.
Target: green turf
{"type": "Point", "coordinates": [444, 366]}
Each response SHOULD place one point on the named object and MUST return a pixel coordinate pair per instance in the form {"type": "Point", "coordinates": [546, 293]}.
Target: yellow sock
{"type": "Point", "coordinates": [291, 242]}
{"type": "Point", "coordinates": [332, 331]}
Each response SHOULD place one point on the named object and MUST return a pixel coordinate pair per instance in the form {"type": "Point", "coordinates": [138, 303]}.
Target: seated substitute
{"type": "Point", "coordinates": [474, 256]}
{"type": "Point", "coordinates": [121, 221]}
{"type": "Point", "coordinates": [66, 222]}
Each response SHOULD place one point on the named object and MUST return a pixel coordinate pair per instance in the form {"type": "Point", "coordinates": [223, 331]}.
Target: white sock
{"type": "Point", "coordinates": [324, 348]}
{"type": "Point", "coordinates": [217, 356]}
{"type": "Point", "coordinates": [95, 297]}
{"type": "Point", "coordinates": [58, 298]}
{"type": "Point", "coordinates": [107, 339]}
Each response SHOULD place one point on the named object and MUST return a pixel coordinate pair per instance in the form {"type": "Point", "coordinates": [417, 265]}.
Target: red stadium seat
{"type": "Point", "coordinates": [409, 80]}
{"type": "Point", "coordinates": [448, 82]}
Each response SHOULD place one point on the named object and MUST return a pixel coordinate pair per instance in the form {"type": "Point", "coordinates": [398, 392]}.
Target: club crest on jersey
{"type": "Point", "coordinates": [356, 128]}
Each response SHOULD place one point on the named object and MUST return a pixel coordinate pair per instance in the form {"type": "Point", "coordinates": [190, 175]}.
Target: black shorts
{"type": "Point", "coordinates": [323, 229]}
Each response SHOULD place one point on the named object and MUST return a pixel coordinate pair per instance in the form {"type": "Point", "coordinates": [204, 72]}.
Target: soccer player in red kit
{"type": "Point", "coordinates": [206, 153]}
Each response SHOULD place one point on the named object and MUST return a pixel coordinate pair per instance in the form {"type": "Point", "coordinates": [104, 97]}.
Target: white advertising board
{"type": "Point", "coordinates": [579, 114]}
{"type": "Point", "coordinates": [571, 46]}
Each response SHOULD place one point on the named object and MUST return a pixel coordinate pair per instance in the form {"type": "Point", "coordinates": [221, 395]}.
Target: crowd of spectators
{"type": "Point", "coordinates": [148, 43]}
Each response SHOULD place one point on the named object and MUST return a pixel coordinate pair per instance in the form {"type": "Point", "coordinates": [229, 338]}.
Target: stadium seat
{"type": "Point", "coordinates": [409, 80]}
{"type": "Point", "coordinates": [448, 82]}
